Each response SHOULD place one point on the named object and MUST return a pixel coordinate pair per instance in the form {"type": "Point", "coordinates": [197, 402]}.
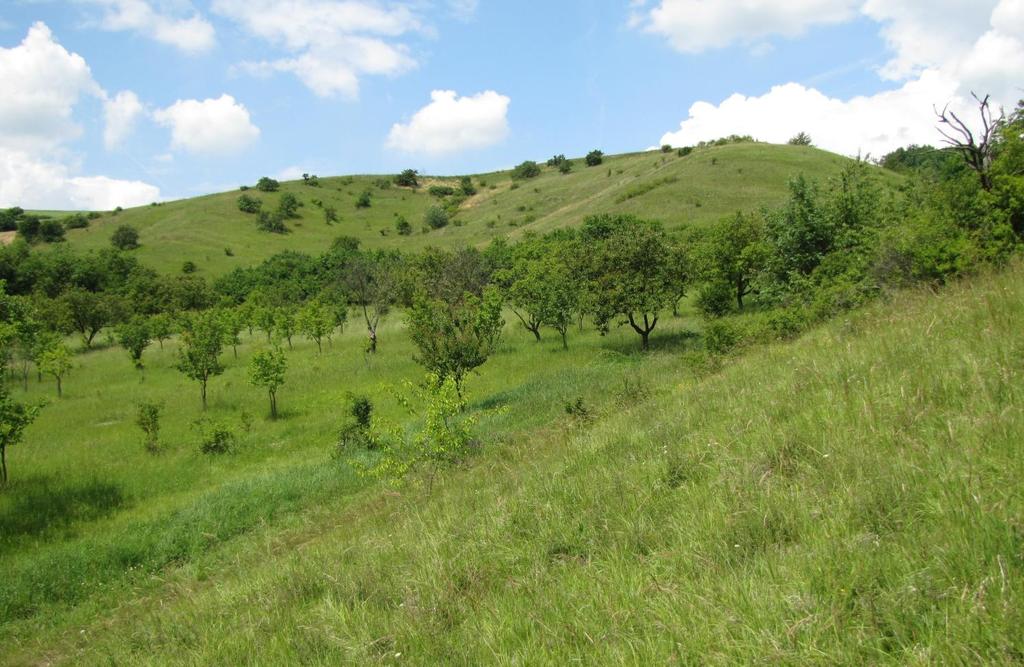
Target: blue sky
{"type": "Point", "coordinates": [132, 100]}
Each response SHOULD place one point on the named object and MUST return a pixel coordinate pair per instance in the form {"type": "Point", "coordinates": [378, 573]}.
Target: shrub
{"type": "Point", "coordinates": [249, 204]}
{"type": "Point", "coordinates": [801, 139]}
{"type": "Point", "coordinates": [721, 337]}
{"type": "Point", "coordinates": [715, 299]}
{"type": "Point", "coordinates": [556, 161]}
{"type": "Point", "coordinates": [51, 231]}
{"type": "Point", "coordinates": [214, 437]}
{"type": "Point", "coordinates": [403, 227]}
{"type": "Point", "coordinates": [271, 222]}
{"type": "Point", "coordinates": [125, 237]}
{"type": "Point", "coordinates": [436, 217]}
{"type": "Point", "coordinates": [364, 199]}
{"type": "Point", "coordinates": [76, 221]}
{"type": "Point", "coordinates": [408, 179]}
{"type": "Point", "coordinates": [527, 169]}
{"type": "Point", "coordinates": [355, 432]}
{"type": "Point", "coordinates": [311, 180]}
{"type": "Point", "coordinates": [267, 184]}
{"type": "Point", "coordinates": [565, 167]}
{"type": "Point", "coordinates": [289, 205]}
{"type": "Point", "coordinates": [684, 151]}
{"type": "Point", "coordinates": [147, 417]}
{"type": "Point", "coordinates": [466, 186]}
{"type": "Point", "coordinates": [188, 266]}
{"type": "Point", "coordinates": [594, 158]}
{"type": "Point", "coordinates": [441, 190]}
{"type": "Point", "coordinates": [666, 148]}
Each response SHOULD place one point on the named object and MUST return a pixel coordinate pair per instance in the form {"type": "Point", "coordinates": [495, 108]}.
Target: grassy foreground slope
{"type": "Point", "coordinates": [694, 189]}
{"type": "Point", "coordinates": [853, 497]}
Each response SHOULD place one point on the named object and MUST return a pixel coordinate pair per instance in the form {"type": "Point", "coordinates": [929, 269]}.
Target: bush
{"type": "Point", "coordinates": [684, 151]}
{"type": "Point", "coordinates": [565, 167]}
{"type": "Point", "coordinates": [436, 217]}
{"type": "Point", "coordinates": [466, 186]}
{"type": "Point", "coordinates": [188, 266]}
{"type": "Point", "coordinates": [76, 221]}
{"type": "Point", "coordinates": [666, 148]}
{"type": "Point", "coordinates": [594, 158]}
{"type": "Point", "coordinates": [51, 231]}
{"type": "Point", "coordinates": [289, 205]}
{"type": "Point", "coordinates": [408, 179]}
{"type": "Point", "coordinates": [356, 430]}
{"type": "Point", "coordinates": [271, 222]}
{"type": "Point", "coordinates": [527, 169]}
{"type": "Point", "coordinates": [125, 237]}
{"type": "Point", "coordinates": [267, 184]}
{"type": "Point", "coordinates": [311, 180]}
{"type": "Point", "coordinates": [214, 437]}
{"type": "Point", "coordinates": [441, 190]}
{"type": "Point", "coordinates": [147, 417]}
{"type": "Point", "coordinates": [801, 139]}
{"type": "Point", "coordinates": [715, 299]}
{"type": "Point", "coordinates": [364, 200]}
{"type": "Point", "coordinates": [556, 161]}
{"type": "Point", "coordinates": [249, 204]}
{"type": "Point", "coordinates": [403, 227]}
{"type": "Point", "coordinates": [721, 337]}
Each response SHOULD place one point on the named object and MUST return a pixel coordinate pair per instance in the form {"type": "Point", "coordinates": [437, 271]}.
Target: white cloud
{"type": "Point", "coordinates": [464, 10]}
{"type": "Point", "coordinates": [942, 50]}
{"type": "Point", "coordinates": [121, 113]}
{"type": "Point", "coordinates": [450, 124]}
{"type": "Point", "coordinates": [192, 34]}
{"type": "Point", "coordinates": [209, 127]}
{"type": "Point", "coordinates": [692, 26]}
{"type": "Point", "coordinates": [43, 83]}
{"type": "Point", "coordinates": [329, 44]}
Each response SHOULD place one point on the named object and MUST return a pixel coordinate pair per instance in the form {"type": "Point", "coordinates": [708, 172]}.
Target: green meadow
{"type": "Point", "coordinates": [850, 497]}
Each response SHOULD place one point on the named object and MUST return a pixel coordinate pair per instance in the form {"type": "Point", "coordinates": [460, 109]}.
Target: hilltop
{"type": "Point", "coordinates": [695, 189]}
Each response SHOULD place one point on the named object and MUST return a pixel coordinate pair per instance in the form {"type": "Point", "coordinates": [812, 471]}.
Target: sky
{"type": "Point", "coordinates": [110, 103]}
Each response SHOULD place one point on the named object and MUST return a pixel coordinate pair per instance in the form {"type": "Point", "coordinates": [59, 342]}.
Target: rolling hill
{"type": "Point", "coordinates": [705, 185]}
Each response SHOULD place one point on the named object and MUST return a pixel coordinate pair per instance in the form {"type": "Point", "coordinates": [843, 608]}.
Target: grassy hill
{"type": "Point", "coordinates": [852, 497]}
{"type": "Point", "coordinates": [679, 191]}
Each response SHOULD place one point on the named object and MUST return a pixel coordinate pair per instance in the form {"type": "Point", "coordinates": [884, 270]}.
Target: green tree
{"type": "Point", "coordinates": [267, 369]}
{"type": "Point", "coordinates": [365, 199]}
{"type": "Point", "coordinates": [733, 251]}
{"type": "Point", "coordinates": [134, 336]}
{"type": "Point", "coordinates": [594, 158]}
{"type": "Point", "coordinates": [455, 337]}
{"type": "Point", "coordinates": [316, 322]}
{"type": "Point", "coordinates": [284, 324]}
{"type": "Point", "coordinates": [800, 139]}
{"type": "Point", "coordinates": [161, 326]}
{"type": "Point", "coordinates": [267, 184]}
{"type": "Point", "coordinates": [527, 169]}
{"type": "Point", "coordinates": [147, 418]}
{"type": "Point", "coordinates": [466, 186]}
{"type": "Point", "coordinates": [56, 361]}
{"type": "Point", "coordinates": [86, 313]}
{"type": "Point", "coordinates": [402, 226]}
{"type": "Point", "coordinates": [436, 217]}
{"type": "Point", "coordinates": [199, 355]}
{"type": "Point", "coordinates": [233, 321]}
{"type": "Point", "coordinates": [409, 178]}
{"type": "Point", "coordinates": [288, 206]}
{"type": "Point", "coordinates": [125, 237]}
{"type": "Point", "coordinates": [249, 204]}
{"type": "Point", "coordinates": [372, 280]}
{"type": "Point", "coordinates": [14, 419]}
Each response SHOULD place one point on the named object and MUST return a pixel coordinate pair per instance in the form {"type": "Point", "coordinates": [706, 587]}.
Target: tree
{"type": "Point", "coordinates": [454, 338]}
{"type": "Point", "coordinates": [466, 186]}
{"type": "Point", "coordinates": [594, 158]}
{"type": "Point", "coordinates": [565, 167]}
{"type": "Point", "coordinates": [125, 237]}
{"type": "Point", "coordinates": [733, 251]}
{"type": "Point", "coordinates": [267, 184]}
{"type": "Point", "coordinates": [631, 272]}
{"type": "Point", "coordinates": [56, 360]}
{"type": "Point", "coordinates": [284, 324]}
{"type": "Point", "coordinates": [51, 231]}
{"type": "Point", "coordinates": [527, 169]}
{"type": "Point", "coordinates": [198, 356]}
{"type": "Point", "coordinates": [408, 179]}
{"type": "Point", "coordinates": [14, 419]}
{"type": "Point", "coordinates": [263, 319]}
{"type": "Point", "coordinates": [801, 139]}
{"type": "Point", "coordinates": [316, 322]}
{"type": "Point", "coordinates": [147, 418]}
{"type": "Point", "coordinates": [436, 217]}
{"type": "Point", "coordinates": [134, 336]}
{"type": "Point", "coordinates": [86, 313]}
{"type": "Point", "coordinates": [402, 226]}
{"type": "Point", "coordinates": [288, 206]}
{"type": "Point", "coordinates": [977, 152]}
{"type": "Point", "coordinates": [233, 321]}
{"type": "Point", "coordinates": [267, 369]}
{"type": "Point", "coordinates": [557, 160]}
{"type": "Point", "coordinates": [330, 215]}
{"type": "Point", "coordinates": [372, 282]}
{"type": "Point", "coordinates": [161, 326]}
{"type": "Point", "coordinates": [365, 199]}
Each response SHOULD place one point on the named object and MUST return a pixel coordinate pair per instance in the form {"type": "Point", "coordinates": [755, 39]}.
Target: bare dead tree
{"type": "Point", "coordinates": [976, 151]}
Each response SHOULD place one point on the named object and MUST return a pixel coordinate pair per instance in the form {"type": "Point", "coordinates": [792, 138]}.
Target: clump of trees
{"type": "Point", "coordinates": [267, 184]}
{"type": "Point", "coordinates": [594, 158]}
{"type": "Point", "coordinates": [249, 204]}
{"type": "Point", "coordinates": [409, 178]}
{"type": "Point", "coordinates": [125, 237]}
{"type": "Point", "coordinates": [525, 170]}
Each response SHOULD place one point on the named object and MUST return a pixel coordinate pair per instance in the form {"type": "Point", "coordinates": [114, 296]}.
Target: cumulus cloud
{"type": "Point", "coordinates": [209, 127]}
{"type": "Point", "coordinates": [329, 45]}
{"type": "Point", "coordinates": [191, 34]}
{"type": "Point", "coordinates": [942, 50]}
{"type": "Point", "coordinates": [43, 83]}
{"type": "Point", "coordinates": [121, 113]}
{"type": "Point", "coordinates": [692, 26]}
{"type": "Point", "coordinates": [450, 124]}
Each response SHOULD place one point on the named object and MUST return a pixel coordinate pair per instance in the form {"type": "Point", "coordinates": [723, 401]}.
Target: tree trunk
{"type": "Point", "coordinates": [273, 405]}
{"type": "Point", "coordinates": [161, 341]}
{"type": "Point", "coordinates": [645, 337]}
{"type": "Point", "coordinates": [536, 332]}
{"type": "Point", "coordinates": [741, 289]}
{"type": "Point", "coordinates": [565, 343]}
{"type": "Point", "coordinates": [319, 347]}
{"type": "Point", "coordinates": [235, 349]}
{"type": "Point", "coordinates": [3, 465]}
{"type": "Point", "coordinates": [24, 376]}
{"type": "Point", "coordinates": [202, 390]}
{"type": "Point", "coordinates": [59, 391]}
{"type": "Point", "coordinates": [289, 342]}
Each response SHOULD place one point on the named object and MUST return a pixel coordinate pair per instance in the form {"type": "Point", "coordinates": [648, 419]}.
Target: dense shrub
{"type": "Point", "coordinates": [527, 169]}
{"type": "Point", "coordinates": [402, 226]}
{"type": "Point", "coordinates": [125, 237]}
{"type": "Point", "coordinates": [436, 217]}
{"type": "Point", "coordinates": [364, 200]}
{"type": "Point", "coordinates": [594, 158]}
{"type": "Point", "coordinates": [267, 184]}
{"type": "Point", "coordinates": [409, 178]}
{"type": "Point", "coordinates": [249, 204]}
{"type": "Point", "coordinates": [715, 299]}
{"type": "Point", "coordinates": [441, 190]}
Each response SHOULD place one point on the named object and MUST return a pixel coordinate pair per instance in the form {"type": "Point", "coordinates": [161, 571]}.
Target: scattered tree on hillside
{"type": "Point", "coordinates": [233, 322]}
{"type": "Point", "coordinates": [330, 215]}
{"type": "Point", "coordinates": [436, 217]}
{"type": "Point", "coordinates": [365, 199]}
{"type": "Point", "coordinates": [125, 237]}
{"type": "Point", "coordinates": [565, 167]}
{"type": "Point", "coordinates": [267, 184]}
{"type": "Point", "coordinates": [316, 322]}
{"type": "Point", "coordinates": [800, 139]}
{"type": "Point", "coordinates": [311, 180]}
{"type": "Point", "coordinates": [594, 158]}
{"type": "Point", "coordinates": [733, 251]}
{"type": "Point", "coordinates": [371, 280]}
{"type": "Point", "coordinates": [201, 345]}
{"type": "Point", "coordinates": [402, 226]}
{"type": "Point", "coordinates": [557, 160]}
{"type": "Point", "coordinates": [249, 204]}
{"type": "Point", "coordinates": [267, 369]}
{"type": "Point", "coordinates": [284, 324]}
{"type": "Point", "coordinates": [56, 361]}
{"type": "Point", "coordinates": [409, 178]}
{"type": "Point", "coordinates": [161, 326]}
{"type": "Point", "coordinates": [147, 418]}
{"type": "Point", "coordinates": [466, 186]}
{"type": "Point", "coordinates": [86, 313]}
{"type": "Point", "coordinates": [134, 336]}
{"type": "Point", "coordinates": [977, 151]}
{"type": "Point", "coordinates": [14, 419]}
{"type": "Point", "coordinates": [527, 169]}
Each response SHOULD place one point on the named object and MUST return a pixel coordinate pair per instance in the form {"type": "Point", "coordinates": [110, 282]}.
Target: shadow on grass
{"type": "Point", "coordinates": [41, 507]}
{"type": "Point", "coordinates": [669, 341]}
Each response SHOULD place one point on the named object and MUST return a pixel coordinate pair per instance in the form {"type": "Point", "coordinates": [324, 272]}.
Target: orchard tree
{"type": "Point", "coordinates": [134, 336]}
{"type": "Point", "coordinates": [56, 360]}
{"type": "Point", "coordinates": [161, 327]}
{"type": "Point", "coordinates": [199, 355]}
{"type": "Point", "coordinates": [540, 288]}
{"type": "Point", "coordinates": [316, 322]}
{"type": "Point", "coordinates": [14, 419]}
{"type": "Point", "coordinates": [454, 338]}
{"type": "Point", "coordinates": [631, 273]}
{"type": "Point", "coordinates": [267, 369]}
{"type": "Point", "coordinates": [86, 313]}
{"type": "Point", "coordinates": [284, 324]}
{"type": "Point", "coordinates": [372, 280]}
{"type": "Point", "coordinates": [733, 251]}
{"type": "Point", "coordinates": [233, 321]}
{"type": "Point", "coordinates": [263, 319]}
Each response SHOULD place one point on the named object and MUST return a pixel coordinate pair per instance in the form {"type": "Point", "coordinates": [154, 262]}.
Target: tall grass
{"type": "Point", "coordinates": [853, 497]}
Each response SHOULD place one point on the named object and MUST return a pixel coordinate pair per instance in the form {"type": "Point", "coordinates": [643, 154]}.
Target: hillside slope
{"type": "Point", "coordinates": [849, 498]}
{"type": "Point", "coordinates": [705, 185]}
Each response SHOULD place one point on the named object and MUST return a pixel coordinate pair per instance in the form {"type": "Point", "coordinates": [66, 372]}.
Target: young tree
{"type": "Point", "coordinates": [14, 419]}
{"type": "Point", "coordinates": [267, 184]}
{"type": "Point", "coordinates": [594, 158]}
{"type": "Point", "coordinates": [161, 327]}
{"type": "Point", "coordinates": [134, 336]}
{"type": "Point", "coordinates": [330, 215]}
{"type": "Point", "coordinates": [284, 324]}
{"type": "Point", "coordinates": [801, 139]}
{"type": "Point", "coordinates": [372, 281]}
{"type": "Point", "coordinates": [233, 321]}
{"type": "Point", "coordinates": [288, 206]}
{"type": "Point", "coordinates": [86, 313]}
{"type": "Point", "coordinates": [249, 204]}
{"type": "Point", "coordinates": [316, 322]}
{"type": "Point", "coordinates": [436, 217]}
{"type": "Point", "coordinates": [733, 251]}
{"type": "Point", "coordinates": [199, 354]}
{"type": "Point", "coordinates": [454, 338]}
{"type": "Point", "coordinates": [125, 237]}
{"type": "Point", "coordinates": [147, 417]}
{"type": "Point", "coordinates": [267, 369]}
{"type": "Point", "coordinates": [527, 169]}
{"type": "Point", "coordinates": [408, 179]}
{"type": "Point", "coordinates": [631, 273]}
{"type": "Point", "coordinates": [56, 360]}
{"type": "Point", "coordinates": [263, 319]}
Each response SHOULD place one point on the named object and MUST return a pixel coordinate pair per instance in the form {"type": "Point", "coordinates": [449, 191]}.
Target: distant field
{"type": "Point", "coordinates": [705, 185]}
